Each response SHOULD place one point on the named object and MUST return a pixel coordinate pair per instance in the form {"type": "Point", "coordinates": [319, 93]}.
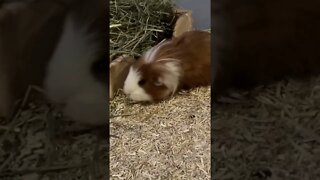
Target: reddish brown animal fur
{"type": "Point", "coordinates": [190, 53]}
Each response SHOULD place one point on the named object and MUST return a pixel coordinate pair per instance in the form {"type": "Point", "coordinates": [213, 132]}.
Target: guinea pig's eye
{"type": "Point", "coordinates": [142, 82]}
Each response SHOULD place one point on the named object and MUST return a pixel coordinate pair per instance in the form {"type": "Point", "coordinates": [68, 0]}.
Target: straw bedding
{"type": "Point", "coordinates": [270, 133]}
{"type": "Point", "coordinates": [36, 144]}
{"type": "Point", "coordinates": [169, 140]}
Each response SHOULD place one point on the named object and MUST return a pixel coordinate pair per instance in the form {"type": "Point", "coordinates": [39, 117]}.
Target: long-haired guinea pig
{"type": "Point", "coordinates": [258, 42]}
{"type": "Point", "coordinates": [181, 62]}
{"type": "Point", "coordinates": [60, 46]}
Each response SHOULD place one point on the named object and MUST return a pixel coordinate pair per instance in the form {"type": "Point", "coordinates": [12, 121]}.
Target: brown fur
{"type": "Point", "coordinates": [196, 59]}
{"type": "Point", "coordinates": [193, 50]}
{"type": "Point", "coordinates": [151, 73]}
{"type": "Point", "coordinates": [118, 71]}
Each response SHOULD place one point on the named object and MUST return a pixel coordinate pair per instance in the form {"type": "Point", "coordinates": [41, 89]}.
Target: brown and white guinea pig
{"type": "Point", "coordinates": [77, 71]}
{"type": "Point", "coordinates": [61, 47]}
{"type": "Point", "coordinates": [181, 62]}
{"type": "Point", "coordinates": [258, 42]}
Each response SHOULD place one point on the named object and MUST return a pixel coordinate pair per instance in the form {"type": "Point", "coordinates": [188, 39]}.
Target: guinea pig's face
{"type": "Point", "coordinates": [150, 82]}
{"type": "Point", "coordinates": [155, 75]}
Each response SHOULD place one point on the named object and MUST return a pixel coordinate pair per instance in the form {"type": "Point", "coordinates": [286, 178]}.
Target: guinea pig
{"type": "Point", "coordinates": [174, 64]}
{"type": "Point", "coordinates": [76, 75]}
{"type": "Point", "coordinates": [25, 47]}
{"type": "Point", "coordinates": [61, 47]}
{"type": "Point", "coordinates": [259, 42]}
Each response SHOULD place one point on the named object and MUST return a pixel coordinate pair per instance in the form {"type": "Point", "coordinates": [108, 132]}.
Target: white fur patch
{"type": "Point", "coordinates": [70, 63]}
{"type": "Point", "coordinates": [69, 80]}
{"type": "Point", "coordinates": [150, 55]}
{"type": "Point", "coordinates": [132, 88]}
{"type": "Point", "coordinates": [171, 79]}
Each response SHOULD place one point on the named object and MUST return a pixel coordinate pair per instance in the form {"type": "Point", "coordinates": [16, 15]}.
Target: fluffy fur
{"type": "Point", "coordinates": [173, 64]}
{"type": "Point", "coordinates": [63, 52]}
{"type": "Point", "coordinates": [132, 88]}
{"type": "Point", "coordinates": [69, 80]}
{"type": "Point", "coordinates": [25, 47]}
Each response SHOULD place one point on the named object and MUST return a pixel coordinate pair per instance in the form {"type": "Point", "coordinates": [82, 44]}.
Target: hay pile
{"type": "Point", "coordinates": [137, 25]}
{"type": "Point", "coordinates": [270, 133]}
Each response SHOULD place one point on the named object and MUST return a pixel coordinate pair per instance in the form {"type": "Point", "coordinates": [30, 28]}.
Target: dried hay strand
{"type": "Point", "coordinates": [269, 133]}
{"type": "Point", "coordinates": [137, 25]}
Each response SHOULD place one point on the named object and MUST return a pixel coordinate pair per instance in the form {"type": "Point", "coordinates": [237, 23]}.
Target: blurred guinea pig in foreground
{"type": "Point", "coordinates": [59, 46]}
{"type": "Point", "coordinates": [181, 62]}
{"type": "Point", "coordinates": [258, 42]}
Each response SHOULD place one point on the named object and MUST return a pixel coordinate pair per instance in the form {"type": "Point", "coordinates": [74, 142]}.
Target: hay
{"type": "Point", "coordinates": [169, 140]}
{"type": "Point", "coordinates": [137, 25]}
{"type": "Point", "coordinates": [269, 133]}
